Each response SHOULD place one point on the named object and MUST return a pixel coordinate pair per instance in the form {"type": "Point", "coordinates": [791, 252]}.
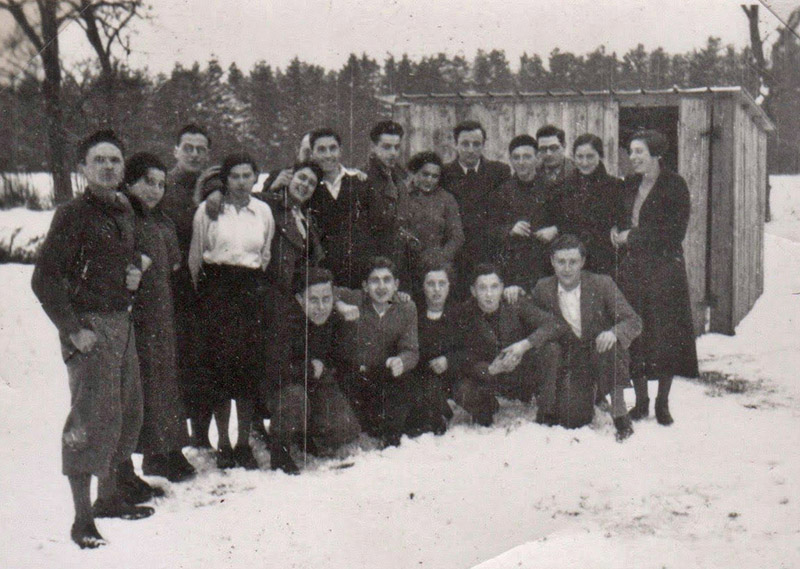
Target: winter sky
{"type": "Point", "coordinates": [325, 32]}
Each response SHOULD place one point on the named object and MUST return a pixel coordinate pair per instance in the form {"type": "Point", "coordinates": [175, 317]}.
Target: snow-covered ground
{"type": "Point", "coordinates": [719, 489]}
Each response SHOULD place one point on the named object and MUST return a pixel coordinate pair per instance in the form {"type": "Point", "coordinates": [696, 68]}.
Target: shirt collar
{"type": "Point", "coordinates": [343, 171]}
{"type": "Point", "coordinates": [249, 207]}
{"type": "Point", "coordinates": [575, 291]}
{"type": "Point", "coordinates": [473, 169]}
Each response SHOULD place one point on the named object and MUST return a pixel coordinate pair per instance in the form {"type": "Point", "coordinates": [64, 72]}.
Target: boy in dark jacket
{"type": "Point", "coordinates": [382, 348]}
{"type": "Point", "coordinates": [303, 383]}
{"type": "Point", "coordinates": [509, 347]}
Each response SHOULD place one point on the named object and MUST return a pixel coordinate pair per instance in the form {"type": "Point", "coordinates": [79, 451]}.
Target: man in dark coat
{"type": "Point", "coordinates": [388, 194]}
{"type": "Point", "coordinates": [600, 327]}
{"type": "Point", "coordinates": [527, 218]}
{"type": "Point", "coordinates": [381, 351]}
{"type": "Point", "coordinates": [86, 274]}
{"type": "Point", "coordinates": [303, 382]}
{"type": "Point", "coordinates": [474, 181]}
{"type": "Point", "coordinates": [341, 208]}
{"type": "Point", "coordinates": [191, 154]}
{"type": "Point", "coordinates": [509, 347]}
{"type": "Point", "coordinates": [554, 170]}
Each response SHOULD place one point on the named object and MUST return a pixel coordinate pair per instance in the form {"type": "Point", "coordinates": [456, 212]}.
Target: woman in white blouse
{"type": "Point", "coordinates": [228, 258]}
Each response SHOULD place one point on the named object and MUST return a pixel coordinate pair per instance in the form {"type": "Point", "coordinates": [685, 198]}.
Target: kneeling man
{"type": "Point", "coordinates": [601, 326]}
{"type": "Point", "coordinates": [509, 348]}
{"type": "Point", "coordinates": [303, 386]}
{"type": "Point", "coordinates": [382, 350]}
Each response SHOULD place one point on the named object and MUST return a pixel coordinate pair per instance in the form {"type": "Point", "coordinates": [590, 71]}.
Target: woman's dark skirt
{"type": "Point", "coordinates": [658, 290]}
{"type": "Point", "coordinates": [233, 302]}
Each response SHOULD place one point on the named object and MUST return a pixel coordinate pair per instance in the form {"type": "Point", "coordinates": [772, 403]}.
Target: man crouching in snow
{"type": "Point", "coordinates": [509, 347]}
{"type": "Point", "coordinates": [594, 345]}
{"type": "Point", "coordinates": [303, 386]}
{"type": "Point", "coordinates": [85, 278]}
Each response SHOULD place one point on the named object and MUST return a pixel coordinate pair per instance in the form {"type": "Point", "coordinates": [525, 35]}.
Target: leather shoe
{"type": "Point", "coordinates": [640, 410]}
{"type": "Point", "coordinates": [624, 427]}
{"type": "Point", "coordinates": [280, 459]}
{"type": "Point", "coordinates": [663, 415]}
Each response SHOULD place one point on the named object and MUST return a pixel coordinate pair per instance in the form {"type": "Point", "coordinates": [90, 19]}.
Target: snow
{"type": "Point", "coordinates": [22, 231]}
{"type": "Point", "coordinates": [718, 489]}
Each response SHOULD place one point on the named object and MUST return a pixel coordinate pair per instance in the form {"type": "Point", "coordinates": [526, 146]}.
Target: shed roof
{"type": "Point", "coordinates": [739, 93]}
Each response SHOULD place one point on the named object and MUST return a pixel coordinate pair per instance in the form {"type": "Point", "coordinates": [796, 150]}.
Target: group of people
{"type": "Point", "coordinates": [335, 301]}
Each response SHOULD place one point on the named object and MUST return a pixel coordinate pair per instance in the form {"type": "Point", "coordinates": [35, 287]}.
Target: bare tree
{"type": "Point", "coordinates": [104, 23]}
{"type": "Point", "coordinates": [40, 21]}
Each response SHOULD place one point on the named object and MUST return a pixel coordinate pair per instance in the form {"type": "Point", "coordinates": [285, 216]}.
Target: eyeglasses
{"type": "Point", "coordinates": [552, 149]}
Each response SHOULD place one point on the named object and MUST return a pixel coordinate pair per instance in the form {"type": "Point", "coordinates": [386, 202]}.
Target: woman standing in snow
{"type": "Point", "coordinates": [228, 258]}
{"type": "Point", "coordinates": [652, 273]}
{"type": "Point", "coordinates": [163, 433]}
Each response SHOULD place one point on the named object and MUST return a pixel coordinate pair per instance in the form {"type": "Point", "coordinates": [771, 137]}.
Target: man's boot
{"type": "Point", "coordinates": [280, 459]}
{"type": "Point", "coordinates": [133, 489]}
{"type": "Point", "coordinates": [624, 427]}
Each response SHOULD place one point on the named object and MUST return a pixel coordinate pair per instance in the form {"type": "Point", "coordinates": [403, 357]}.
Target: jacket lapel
{"type": "Point", "coordinates": [587, 305]}
{"type": "Point", "coordinates": [288, 229]}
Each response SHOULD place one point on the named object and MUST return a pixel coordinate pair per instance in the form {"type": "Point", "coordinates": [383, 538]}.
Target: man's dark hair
{"type": "Point", "coordinates": [192, 128]}
{"type": "Point", "coordinates": [137, 166]}
{"type": "Point", "coordinates": [313, 166]}
{"type": "Point", "coordinates": [655, 141]}
{"type": "Point", "coordinates": [482, 269]}
{"type": "Point", "coordinates": [385, 127]}
{"type": "Point", "coordinates": [567, 241]}
{"type": "Point", "coordinates": [591, 139]}
{"type": "Point", "coordinates": [522, 140]}
{"type": "Point", "coordinates": [98, 137]}
{"type": "Point", "coordinates": [550, 130]}
{"type": "Point", "coordinates": [233, 160]}
{"type": "Point", "coordinates": [421, 158]}
{"type": "Point", "coordinates": [435, 266]}
{"type": "Point", "coordinates": [468, 126]}
{"type": "Point", "coordinates": [322, 133]}
{"type": "Point", "coordinates": [379, 262]}
{"type": "Point", "coordinates": [304, 278]}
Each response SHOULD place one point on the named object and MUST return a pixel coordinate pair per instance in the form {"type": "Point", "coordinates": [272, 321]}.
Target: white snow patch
{"type": "Point", "coordinates": [717, 489]}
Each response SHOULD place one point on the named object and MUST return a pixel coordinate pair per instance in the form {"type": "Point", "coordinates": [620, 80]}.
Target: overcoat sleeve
{"type": "Point", "coordinates": [546, 326]}
{"type": "Point", "coordinates": [408, 344]}
{"type": "Point", "coordinates": [56, 258]}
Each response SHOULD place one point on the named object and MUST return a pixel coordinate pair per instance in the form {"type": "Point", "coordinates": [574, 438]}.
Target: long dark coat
{"type": "Point", "coordinates": [524, 259]}
{"type": "Point", "coordinates": [290, 250]}
{"type": "Point", "coordinates": [343, 224]}
{"type": "Point", "coordinates": [588, 208]}
{"type": "Point", "coordinates": [164, 425]}
{"type": "Point", "coordinates": [479, 206]}
{"type": "Point", "coordinates": [652, 276]}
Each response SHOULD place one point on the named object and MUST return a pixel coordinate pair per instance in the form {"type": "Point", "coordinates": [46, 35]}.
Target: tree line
{"type": "Point", "coordinates": [265, 109]}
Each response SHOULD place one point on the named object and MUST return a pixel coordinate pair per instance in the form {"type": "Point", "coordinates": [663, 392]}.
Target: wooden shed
{"type": "Point", "coordinates": [718, 143]}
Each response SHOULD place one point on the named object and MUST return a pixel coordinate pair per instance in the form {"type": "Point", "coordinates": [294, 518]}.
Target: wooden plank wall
{"type": "Point", "coordinates": [429, 123]}
{"type": "Point", "coordinates": [723, 206]}
{"type": "Point", "coordinates": [749, 216]}
{"type": "Point", "coordinates": [693, 160]}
